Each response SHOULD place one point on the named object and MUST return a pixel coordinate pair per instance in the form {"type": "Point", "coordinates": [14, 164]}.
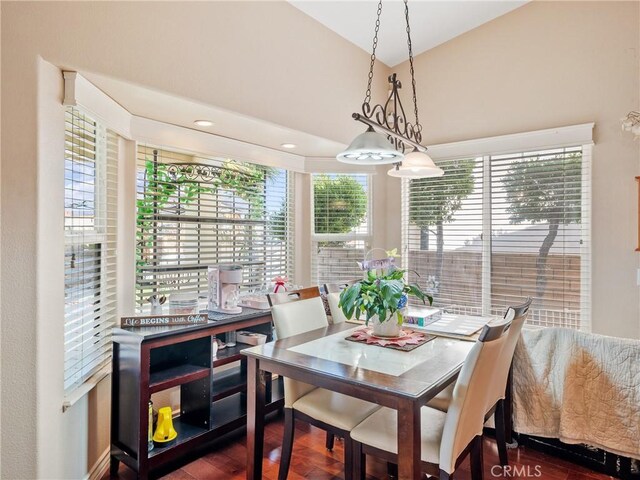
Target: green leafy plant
{"type": "Point", "coordinates": [381, 295]}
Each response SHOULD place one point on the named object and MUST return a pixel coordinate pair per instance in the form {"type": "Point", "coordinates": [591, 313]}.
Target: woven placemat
{"type": "Point", "coordinates": [410, 340]}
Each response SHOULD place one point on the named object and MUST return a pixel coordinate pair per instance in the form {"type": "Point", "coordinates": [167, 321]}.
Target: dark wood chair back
{"type": "Point", "coordinates": [287, 297]}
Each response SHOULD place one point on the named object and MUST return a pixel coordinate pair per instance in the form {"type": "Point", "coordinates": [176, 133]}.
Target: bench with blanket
{"type": "Point", "coordinates": [579, 388]}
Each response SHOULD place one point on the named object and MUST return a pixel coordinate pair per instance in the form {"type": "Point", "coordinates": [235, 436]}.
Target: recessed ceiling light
{"type": "Point", "coordinates": [203, 123]}
{"type": "Point", "coordinates": [288, 145]}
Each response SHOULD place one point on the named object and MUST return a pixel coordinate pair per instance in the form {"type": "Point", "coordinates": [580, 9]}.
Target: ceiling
{"type": "Point", "coordinates": [432, 22]}
{"type": "Point", "coordinates": [156, 105]}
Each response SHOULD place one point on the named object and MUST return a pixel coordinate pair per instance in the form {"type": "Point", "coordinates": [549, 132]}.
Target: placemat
{"type": "Point", "coordinates": [409, 340]}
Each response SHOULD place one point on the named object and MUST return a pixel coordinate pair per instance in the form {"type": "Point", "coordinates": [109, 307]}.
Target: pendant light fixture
{"type": "Point", "coordinates": [389, 134]}
{"type": "Point", "coordinates": [416, 165]}
{"type": "Point", "coordinates": [370, 148]}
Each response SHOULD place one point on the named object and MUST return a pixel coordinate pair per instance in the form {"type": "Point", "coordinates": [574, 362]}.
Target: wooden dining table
{"type": "Point", "coordinates": [402, 380]}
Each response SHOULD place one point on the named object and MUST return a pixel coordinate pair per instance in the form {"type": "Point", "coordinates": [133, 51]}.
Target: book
{"type": "Point", "coordinates": [419, 316]}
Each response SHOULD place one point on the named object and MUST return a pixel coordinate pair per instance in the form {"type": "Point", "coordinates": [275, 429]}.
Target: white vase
{"type": "Point", "coordinates": [387, 328]}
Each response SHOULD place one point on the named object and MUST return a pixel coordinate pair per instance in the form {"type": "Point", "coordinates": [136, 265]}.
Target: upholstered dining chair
{"type": "Point", "coordinates": [446, 437]}
{"type": "Point", "coordinates": [333, 298]}
{"type": "Point", "coordinates": [299, 312]}
{"type": "Point", "coordinates": [498, 386]}
{"type": "Point", "coordinates": [333, 291]}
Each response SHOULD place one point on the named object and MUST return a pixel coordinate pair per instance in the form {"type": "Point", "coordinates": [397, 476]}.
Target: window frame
{"type": "Point", "coordinates": [98, 237]}
{"type": "Point", "coordinates": [190, 271]}
{"type": "Point", "coordinates": [366, 238]}
{"type": "Point", "coordinates": [342, 237]}
{"type": "Point", "coordinates": [586, 262]}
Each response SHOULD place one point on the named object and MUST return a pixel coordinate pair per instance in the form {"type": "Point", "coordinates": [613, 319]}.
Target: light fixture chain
{"type": "Point", "coordinates": [413, 77]}
{"type": "Point", "coordinates": [367, 96]}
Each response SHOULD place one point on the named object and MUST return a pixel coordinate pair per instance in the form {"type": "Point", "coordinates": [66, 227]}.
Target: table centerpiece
{"type": "Point", "coordinates": [381, 297]}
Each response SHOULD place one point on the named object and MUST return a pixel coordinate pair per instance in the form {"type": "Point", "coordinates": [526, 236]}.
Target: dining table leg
{"type": "Point", "coordinates": [409, 449]}
{"type": "Point", "coordinates": [256, 400]}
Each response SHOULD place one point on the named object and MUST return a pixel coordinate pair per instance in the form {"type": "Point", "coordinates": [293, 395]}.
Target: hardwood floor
{"type": "Point", "coordinates": [312, 461]}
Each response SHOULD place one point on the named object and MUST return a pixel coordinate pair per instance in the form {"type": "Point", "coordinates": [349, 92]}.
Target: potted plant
{"type": "Point", "coordinates": [381, 297]}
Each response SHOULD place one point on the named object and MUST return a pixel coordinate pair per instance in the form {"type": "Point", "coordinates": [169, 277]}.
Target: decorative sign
{"type": "Point", "coordinates": [375, 264]}
{"type": "Point", "coordinates": [163, 320]}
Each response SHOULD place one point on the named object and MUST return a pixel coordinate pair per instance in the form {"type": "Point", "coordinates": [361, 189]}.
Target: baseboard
{"type": "Point", "coordinates": [99, 468]}
{"type": "Point", "coordinates": [596, 459]}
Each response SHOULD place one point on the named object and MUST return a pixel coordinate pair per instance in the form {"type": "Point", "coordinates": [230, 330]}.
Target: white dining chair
{"type": "Point", "coordinates": [333, 291]}
{"type": "Point", "coordinates": [446, 437]}
{"type": "Point", "coordinates": [295, 313]}
{"type": "Point", "coordinates": [497, 388]}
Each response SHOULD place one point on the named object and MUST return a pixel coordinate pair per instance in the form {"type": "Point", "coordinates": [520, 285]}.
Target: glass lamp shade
{"type": "Point", "coordinates": [370, 148]}
{"type": "Point", "coordinates": [416, 165]}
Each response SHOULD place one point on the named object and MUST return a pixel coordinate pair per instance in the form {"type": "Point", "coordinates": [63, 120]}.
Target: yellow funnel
{"type": "Point", "coordinates": [165, 433]}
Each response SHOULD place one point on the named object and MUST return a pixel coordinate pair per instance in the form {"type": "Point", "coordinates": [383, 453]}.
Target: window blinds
{"type": "Point", "coordinates": [442, 231]}
{"type": "Point", "coordinates": [341, 226]}
{"type": "Point", "coordinates": [91, 155]}
{"type": "Point", "coordinates": [539, 234]}
{"type": "Point", "coordinates": [499, 228]}
{"type": "Point", "coordinates": [193, 212]}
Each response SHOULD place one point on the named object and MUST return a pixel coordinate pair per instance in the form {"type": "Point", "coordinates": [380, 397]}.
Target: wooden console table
{"type": "Point", "coordinates": [212, 402]}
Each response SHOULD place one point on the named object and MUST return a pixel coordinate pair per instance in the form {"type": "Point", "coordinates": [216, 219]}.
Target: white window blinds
{"type": "Point", "coordinates": [444, 214]}
{"type": "Point", "coordinates": [193, 212]}
{"type": "Point", "coordinates": [341, 226]}
{"type": "Point", "coordinates": [91, 155]}
{"type": "Point", "coordinates": [496, 229]}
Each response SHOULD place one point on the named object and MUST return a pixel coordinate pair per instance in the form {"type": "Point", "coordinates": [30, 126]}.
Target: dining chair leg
{"type": "Point", "coordinates": [359, 461]}
{"type": "Point", "coordinates": [445, 476]}
{"type": "Point", "coordinates": [348, 458]}
{"type": "Point", "coordinates": [501, 440]}
{"type": "Point", "coordinates": [477, 461]}
{"type": "Point", "coordinates": [329, 441]}
{"type": "Point", "coordinates": [287, 444]}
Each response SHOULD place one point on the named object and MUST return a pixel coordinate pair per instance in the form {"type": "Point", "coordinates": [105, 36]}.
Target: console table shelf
{"type": "Point", "coordinates": [230, 354]}
{"type": "Point", "coordinates": [229, 382]}
{"type": "Point", "coordinates": [147, 360]}
{"type": "Point", "coordinates": [172, 377]}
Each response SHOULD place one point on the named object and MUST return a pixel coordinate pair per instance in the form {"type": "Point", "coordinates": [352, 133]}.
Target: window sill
{"type": "Point", "coordinates": [74, 396]}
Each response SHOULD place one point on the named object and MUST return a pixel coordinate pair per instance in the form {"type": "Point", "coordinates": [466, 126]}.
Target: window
{"type": "Point", "coordinates": [193, 212]}
{"type": "Point", "coordinates": [444, 219]}
{"type": "Point", "coordinates": [341, 226]}
{"type": "Point", "coordinates": [498, 228]}
{"type": "Point", "coordinates": [90, 244]}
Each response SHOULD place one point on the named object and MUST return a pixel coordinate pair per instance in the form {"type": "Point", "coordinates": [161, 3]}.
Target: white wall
{"type": "Point", "coordinates": [18, 283]}
{"type": "Point", "coordinates": [551, 64]}
{"type": "Point", "coordinates": [49, 275]}
{"type": "Point", "coordinates": [266, 60]}
{"type": "Point", "coordinates": [546, 64]}
{"type": "Point", "coordinates": [0, 248]}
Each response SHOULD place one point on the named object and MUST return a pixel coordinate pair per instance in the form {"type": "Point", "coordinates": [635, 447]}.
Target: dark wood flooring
{"type": "Point", "coordinates": [312, 461]}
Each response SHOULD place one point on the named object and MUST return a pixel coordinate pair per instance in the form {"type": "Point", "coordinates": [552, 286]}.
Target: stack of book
{"type": "Point", "coordinates": [418, 316]}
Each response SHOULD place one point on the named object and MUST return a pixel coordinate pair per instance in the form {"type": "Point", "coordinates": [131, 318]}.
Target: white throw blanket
{"type": "Point", "coordinates": [579, 388]}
